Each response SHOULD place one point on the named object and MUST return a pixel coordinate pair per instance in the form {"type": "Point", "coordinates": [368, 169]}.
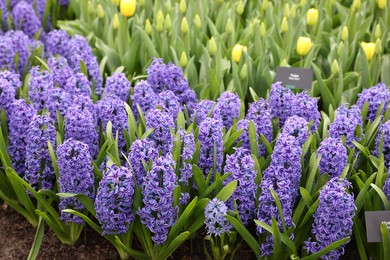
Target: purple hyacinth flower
{"type": "Point", "coordinates": [40, 173]}
{"type": "Point", "coordinates": [228, 107]}
{"type": "Point", "coordinates": [56, 42]}
{"type": "Point", "coordinates": [215, 222]}
{"type": "Point", "coordinates": [307, 108]}
{"type": "Point", "coordinates": [242, 167]}
{"type": "Point", "coordinates": [25, 17]}
{"type": "Point", "coordinates": [283, 176]}
{"type": "Point", "coordinates": [202, 110]}
{"type": "Point", "coordinates": [114, 200]}
{"type": "Point", "coordinates": [244, 137]}
{"type": "Point", "coordinates": [60, 69]}
{"type": "Point", "coordinates": [259, 113]}
{"type": "Point", "coordinates": [20, 115]}
{"type": "Point", "coordinates": [332, 219]}
{"type": "Point", "coordinates": [345, 123]}
{"type": "Point", "coordinates": [40, 83]}
{"type": "Point", "coordinates": [188, 99]}
{"type": "Point", "coordinates": [210, 134]}
{"type": "Point", "coordinates": [162, 123]}
{"type": "Point", "coordinates": [386, 188]}
{"type": "Point", "coordinates": [384, 131]}
{"type": "Point", "coordinates": [7, 54]}
{"type": "Point", "coordinates": [75, 176]}
{"type": "Point", "coordinates": [4, 15]}
{"type": "Point", "coordinates": [297, 127]}
{"type": "Point", "coordinates": [144, 97]}
{"type": "Point", "coordinates": [21, 44]}
{"type": "Point", "coordinates": [158, 212]}
{"type": "Point", "coordinates": [334, 157]}
{"type": "Point", "coordinates": [281, 102]}
{"type": "Point", "coordinates": [78, 84]}
{"type": "Point", "coordinates": [375, 96]}
{"type": "Point", "coordinates": [12, 78]}
{"type": "Point", "coordinates": [57, 100]}
{"type": "Point", "coordinates": [141, 151]}
{"type": "Point", "coordinates": [7, 95]}
{"type": "Point", "coordinates": [112, 109]}
{"type": "Point", "coordinates": [168, 102]}
{"type": "Point", "coordinates": [117, 84]}
{"type": "Point", "coordinates": [187, 151]}
{"type": "Point", "coordinates": [85, 103]}
{"type": "Point", "coordinates": [80, 125]}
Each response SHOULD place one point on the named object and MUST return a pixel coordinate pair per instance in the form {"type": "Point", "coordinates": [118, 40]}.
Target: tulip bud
{"type": "Point", "coordinates": [369, 49]}
{"type": "Point", "coordinates": [340, 49]}
{"type": "Point", "coordinates": [100, 11]}
{"type": "Point", "coordinates": [182, 6]}
{"type": "Point", "coordinates": [229, 26]}
{"type": "Point", "coordinates": [127, 7]}
{"type": "Point", "coordinates": [115, 21]}
{"type": "Point", "coordinates": [212, 46]}
{"type": "Point", "coordinates": [382, 4]}
{"type": "Point", "coordinates": [263, 30]}
{"type": "Point", "coordinates": [378, 31]}
{"type": "Point", "coordinates": [302, 3]}
{"type": "Point", "coordinates": [264, 4]}
{"type": "Point", "coordinates": [284, 25]}
{"type": "Point", "coordinates": [160, 21]}
{"type": "Point", "coordinates": [183, 60]}
{"type": "Point", "coordinates": [378, 46]}
{"type": "Point", "coordinates": [244, 72]}
{"type": "Point", "coordinates": [168, 22]}
{"type": "Point", "coordinates": [335, 68]}
{"type": "Point", "coordinates": [286, 11]}
{"type": "Point", "coordinates": [240, 8]}
{"type": "Point", "coordinates": [356, 5]}
{"type": "Point", "coordinates": [344, 33]}
{"type": "Point", "coordinates": [304, 45]}
{"type": "Point", "coordinates": [284, 63]}
{"type": "Point", "coordinates": [293, 10]}
{"type": "Point", "coordinates": [90, 8]}
{"type": "Point", "coordinates": [312, 17]}
{"type": "Point", "coordinates": [148, 27]}
{"type": "Point", "coordinates": [184, 25]}
{"type": "Point", "coordinates": [237, 52]}
{"type": "Point", "coordinates": [197, 21]}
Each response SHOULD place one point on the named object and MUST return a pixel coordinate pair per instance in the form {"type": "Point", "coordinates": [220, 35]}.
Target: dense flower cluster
{"type": "Point", "coordinates": [334, 157]}
{"type": "Point", "coordinates": [114, 200]}
{"type": "Point", "coordinates": [75, 176]}
{"type": "Point", "coordinates": [283, 176]}
{"type": "Point", "coordinates": [158, 212]}
{"type": "Point", "coordinates": [60, 70]}
{"type": "Point", "coordinates": [244, 137]}
{"type": "Point", "coordinates": [333, 218]}
{"type": "Point", "coordinates": [228, 107]}
{"type": "Point", "coordinates": [259, 113]}
{"type": "Point", "coordinates": [210, 135]}
{"type": "Point", "coordinates": [12, 78]}
{"type": "Point", "coordinates": [384, 131]}
{"type": "Point", "coordinates": [39, 84]}
{"type": "Point", "coordinates": [141, 151]}
{"type": "Point", "coordinates": [20, 116]}
{"type": "Point", "coordinates": [169, 103]}
{"type": "Point", "coordinates": [117, 84]}
{"type": "Point", "coordinates": [281, 102]}
{"type": "Point", "coordinates": [345, 123]}
{"type": "Point", "coordinates": [241, 165]}
{"type": "Point", "coordinates": [24, 15]}
{"type": "Point", "coordinates": [162, 123]}
{"type": "Point", "coordinates": [386, 188]}
{"type": "Point", "coordinates": [215, 222]}
{"type": "Point", "coordinates": [144, 97]}
{"type": "Point", "coordinates": [7, 54]}
{"type": "Point", "coordinates": [202, 110]}
{"type": "Point", "coordinates": [298, 127]}
{"type": "Point", "coordinates": [21, 44]}
{"type": "Point", "coordinates": [78, 84]}
{"type": "Point", "coordinates": [57, 100]}
{"type": "Point", "coordinates": [187, 151]}
{"type": "Point", "coordinates": [39, 173]}
{"type": "Point", "coordinates": [56, 42]}
{"type": "Point", "coordinates": [307, 108]}
{"type": "Point", "coordinates": [375, 96]}
{"type": "Point", "coordinates": [7, 94]}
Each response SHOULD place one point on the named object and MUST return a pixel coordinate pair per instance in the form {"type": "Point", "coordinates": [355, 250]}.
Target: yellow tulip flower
{"type": "Point", "coordinates": [127, 7]}
{"type": "Point", "coordinates": [369, 49]}
{"type": "Point", "coordinates": [304, 45]}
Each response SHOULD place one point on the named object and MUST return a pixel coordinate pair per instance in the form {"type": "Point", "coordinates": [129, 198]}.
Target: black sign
{"type": "Point", "coordinates": [295, 77]}
{"type": "Point", "coordinates": [374, 219]}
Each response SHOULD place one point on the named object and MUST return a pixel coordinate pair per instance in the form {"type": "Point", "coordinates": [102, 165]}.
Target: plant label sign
{"type": "Point", "coordinates": [295, 77]}
{"type": "Point", "coordinates": [374, 219]}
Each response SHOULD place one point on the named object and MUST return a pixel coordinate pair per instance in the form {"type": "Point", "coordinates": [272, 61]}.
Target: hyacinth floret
{"type": "Point", "coordinates": [144, 97]}
{"type": "Point", "coordinates": [78, 84]}
{"type": "Point", "coordinates": [117, 84]}
{"type": "Point", "coordinates": [283, 176]}
{"type": "Point", "coordinates": [75, 176]}
{"type": "Point", "coordinates": [21, 44]}
{"type": "Point", "coordinates": [7, 54]}
{"type": "Point", "coordinates": [114, 200]}
{"type": "Point", "coordinates": [333, 219]}
{"type": "Point", "coordinates": [39, 173]}
{"type": "Point", "coordinates": [80, 125]}
{"type": "Point", "coordinates": [20, 115]}
{"type": "Point", "coordinates": [56, 42]}
{"type": "Point", "coordinates": [141, 151]}
{"type": "Point", "coordinates": [334, 157]}
{"type": "Point", "coordinates": [158, 212]}
{"type": "Point", "coordinates": [24, 16]}
{"type": "Point", "coordinates": [57, 100]}
{"type": "Point", "coordinates": [168, 102]}
{"type": "Point", "coordinates": [375, 96]}
{"type": "Point", "coordinates": [12, 78]}
{"type": "Point", "coordinates": [202, 110]}
{"type": "Point", "coordinates": [386, 188]}
{"type": "Point", "coordinates": [228, 107]}
{"type": "Point", "coordinates": [281, 102]}
{"type": "Point", "coordinates": [112, 109]}
{"type": "Point", "coordinates": [60, 69]}
{"type": "Point", "coordinates": [187, 151]}
{"type": "Point", "coordinates": [244, 137]}
{"type": "Point", "coordinates": [40, 83]}
{"type": "Point", "coordinates": [242, 169]}
{"type": "Point", "coordinates": [210, 133]}
{"type": "Point", "coordinates": [307, 108]}
{"type": "Point", "coordinates": [298, 127]}
{"type": "Point", "coordinates": [345, 123]}
{"type": "Point", "coordinates": [384, 131]}
{"type": "Point", "coordinates": [188, 99]}
{"type": "Point", "coordinates": [7, 95]}
{"type": "Point", "coordinates": [215, 222]}
{"type": "Point", "coordinates": [162, 123]}
{"type": "Point", "coordinates": [259, 113]}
